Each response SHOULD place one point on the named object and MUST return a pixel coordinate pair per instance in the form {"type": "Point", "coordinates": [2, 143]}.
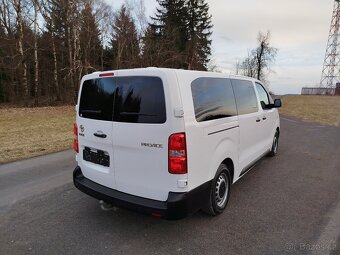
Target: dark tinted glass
{"type": "Point", "coordinates": [246, 100]}
{"type": "Point", "coordinates": [213, 98]}
{"type": "Point", "coordinates": [262, 93]}
{"type": "Point", "coordinates": [139, 100]}
{"type": "Point", "coordinates": [96, 99]}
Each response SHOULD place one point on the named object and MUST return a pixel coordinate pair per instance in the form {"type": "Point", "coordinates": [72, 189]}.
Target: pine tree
{"type": "Point", "coordinates": [199, 32]}
{"type": "Point", "coordinates": [180, 33]}
{"type": "Point", "coordinates": [90, 45]}
{"type": "Point", "coordinates": [170, 27]}
{"type": "Point", "coordinates": [150, 47]}
{"type": "Point", "coordinates": [124, 42]}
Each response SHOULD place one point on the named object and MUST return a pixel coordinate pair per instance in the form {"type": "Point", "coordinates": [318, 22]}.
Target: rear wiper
{"type": "Point", "coordinates": [135, 113]}
{"type": "Point", "coordinates": [91, 111]}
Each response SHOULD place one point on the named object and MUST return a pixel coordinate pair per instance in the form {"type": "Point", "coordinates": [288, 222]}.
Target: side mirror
{"type": "Point", "coordinates": [277, 103]}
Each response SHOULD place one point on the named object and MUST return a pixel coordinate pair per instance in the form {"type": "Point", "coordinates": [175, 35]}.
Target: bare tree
{"type": "Point", "coordinates": [6, 16]}
{"type": "Point", "coordinates": [104, 16]}
{"type": "Point", "coordinates": [259, 60]}
{"type": "Point", "coordinates": [50, 21]}
{"type": "Point", "coordinates": [17, 4]}
{"type": "Point", "coordinates": [140, 16]}
{"type": "Point", "coordinates": [36, 61]}
{"type": "Point", "coordinates": [264, 54]}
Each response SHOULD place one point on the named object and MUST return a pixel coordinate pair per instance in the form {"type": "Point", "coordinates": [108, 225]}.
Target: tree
{"type": "Point", "coordinates": [46, 46]}
{"type": "Point", "coordinates": [257, 64]}
{"type": "Point", "coordinates": [179, 35]}
{"type": "Point", "coordinates": [152, 47]}
{"type": "Point", "coordinates": [47, 10]}
{"type": "Point", "coordinates": [199, 32]}
{"type": "Point", "coordinates": [90, 44]}
{"type": "Point", "coordinates": [170, 29]}
{"type": "Point", "coordinates": [104, 15]}
{"type": "Point", "coordinates": [36, 61]}
{"type": "Point", "coordinates": [124, 42]}
{"type": "Point", "coordinates": [264, 55]}
{"type": "Point", "coordinates": [17, 4]}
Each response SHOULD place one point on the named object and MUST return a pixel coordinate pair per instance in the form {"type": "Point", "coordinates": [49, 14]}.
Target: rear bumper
{"type": "Point", "coordinates": [177, 206]}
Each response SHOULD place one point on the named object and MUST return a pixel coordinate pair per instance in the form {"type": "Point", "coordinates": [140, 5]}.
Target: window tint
{"type": "Point", "coordinates": [213, 98]}
{"type": "Point", "coordinates": [139, 100]}
{"type": "Point", "coordinates": [262, 94]}
{"type": "Point", "coordinates": [246, 100]}
{"type": "Point", "coordinates": [96, 99]}
{"type": "Point", "coordinates": [130, 99]}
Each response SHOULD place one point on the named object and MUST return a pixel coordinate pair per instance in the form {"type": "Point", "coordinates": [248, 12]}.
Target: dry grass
{"type": "Point", "coordinates": [321, 109]}
{"type": "Point", "coordinates": [29, 132]}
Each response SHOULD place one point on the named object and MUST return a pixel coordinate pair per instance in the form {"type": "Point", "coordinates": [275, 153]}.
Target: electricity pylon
{"type": "Point", "coordinates": [331, 67]}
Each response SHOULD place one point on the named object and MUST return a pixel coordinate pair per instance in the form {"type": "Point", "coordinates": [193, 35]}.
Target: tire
{"type": "Point", "coordinates": [275, 145]}
{"type": "Point", "coordinates": [220, 191]}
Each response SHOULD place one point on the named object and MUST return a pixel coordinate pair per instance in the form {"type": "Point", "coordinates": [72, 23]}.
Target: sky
{"type": "Point", "coordinates": [299, 29]}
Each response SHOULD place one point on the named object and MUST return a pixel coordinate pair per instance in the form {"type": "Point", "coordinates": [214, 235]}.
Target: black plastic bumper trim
{"type": "Point", "coordinates": [177, 206]}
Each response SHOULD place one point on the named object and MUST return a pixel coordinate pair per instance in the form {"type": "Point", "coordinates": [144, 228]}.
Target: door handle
{"type": "Point", "coordinates": [258, 120]}
{"type": "Point", "coordinates": [264, 118]}
{"type": "Point", "coordinates": [100, 135]}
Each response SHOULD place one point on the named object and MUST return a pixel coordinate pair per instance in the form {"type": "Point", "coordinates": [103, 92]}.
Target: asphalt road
{"type": "Point", "coordinates": [289, 204]}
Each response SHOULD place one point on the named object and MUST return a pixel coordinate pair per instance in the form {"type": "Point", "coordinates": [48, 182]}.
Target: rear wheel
{"type": "Point", "coordinates": [220, 191]}
{"type": "Point", "coordinates": [275, 145]}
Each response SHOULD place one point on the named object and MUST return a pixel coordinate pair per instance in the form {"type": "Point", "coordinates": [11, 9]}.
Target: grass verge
{"type": "Point", "coordinates": [321, 109]}
{"type": "Point", "coordinates": [29, 132]}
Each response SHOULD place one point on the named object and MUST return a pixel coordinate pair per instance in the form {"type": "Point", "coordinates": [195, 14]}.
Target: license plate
{"type": "Point", "coordinates": [96, 156]}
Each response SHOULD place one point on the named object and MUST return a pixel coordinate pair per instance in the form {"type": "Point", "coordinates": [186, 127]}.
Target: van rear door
{"type": "Point", "coordinates": [94, 120]}
{"type": "Point", "coordinates": [143, 121]}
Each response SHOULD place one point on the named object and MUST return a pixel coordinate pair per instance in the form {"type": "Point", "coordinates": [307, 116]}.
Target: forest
{"type": "Point", "coordinates": [46, 46]}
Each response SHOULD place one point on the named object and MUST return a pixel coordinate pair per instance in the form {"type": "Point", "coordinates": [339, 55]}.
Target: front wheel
{"type": "Point", "coordinates": [275, 145]}
{"type": "Point", "coordinates": [220, 191]}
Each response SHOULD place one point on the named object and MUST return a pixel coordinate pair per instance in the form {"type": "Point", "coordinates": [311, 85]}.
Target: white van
{"type": "Point", "coordinates": [170, 142]}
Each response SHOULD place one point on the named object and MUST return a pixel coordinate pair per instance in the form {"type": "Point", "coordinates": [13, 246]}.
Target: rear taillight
{"type": "Point", "coordinates": [75, 142]}
{"type": "Point", "coordinates": [177, 154]}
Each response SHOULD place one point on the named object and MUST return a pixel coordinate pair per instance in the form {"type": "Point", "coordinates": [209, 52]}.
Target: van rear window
{"type": "Point", "coordinates": [132, 99]}
{"type": "Point", "coordinates": [96, 99]}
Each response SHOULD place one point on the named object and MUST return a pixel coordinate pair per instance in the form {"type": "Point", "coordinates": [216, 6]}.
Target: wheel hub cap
{"type": "Point", "coordinates": [221, 191]}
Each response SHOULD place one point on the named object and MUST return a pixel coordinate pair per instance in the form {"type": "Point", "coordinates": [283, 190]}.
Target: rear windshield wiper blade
{"type": "Point", "coordinates": [91, 111]}
{"type": "Point", "coordinates": [135, 113]}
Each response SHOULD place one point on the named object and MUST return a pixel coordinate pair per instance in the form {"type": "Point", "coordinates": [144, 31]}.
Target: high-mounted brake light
{"type": "Point", "coordinates": [106, 74]}
{"type": "Point", "coordinates": [177, 154]}
{"type": "Point", "coordinates": [75, 141]}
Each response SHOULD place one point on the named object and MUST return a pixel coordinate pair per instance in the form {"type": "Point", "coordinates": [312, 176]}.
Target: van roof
{"type": "Point", "coordinates": [204, 73]}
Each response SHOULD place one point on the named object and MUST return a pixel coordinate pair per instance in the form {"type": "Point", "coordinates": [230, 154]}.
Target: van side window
{"type": "Point", "coordinates": [213, 98]}
{"type": "Point", "coordinates": [263, 95]}
{"type": "Point", "coordinates": [246, 99]}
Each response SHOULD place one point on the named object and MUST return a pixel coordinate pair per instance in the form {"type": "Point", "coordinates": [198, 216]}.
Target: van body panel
{"type": "Point", "coordinates": [205, 147]}
{"type": "Point", "coordinates": [269, 121]}
{"type": "Point", "coordinates": [250, 146]}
